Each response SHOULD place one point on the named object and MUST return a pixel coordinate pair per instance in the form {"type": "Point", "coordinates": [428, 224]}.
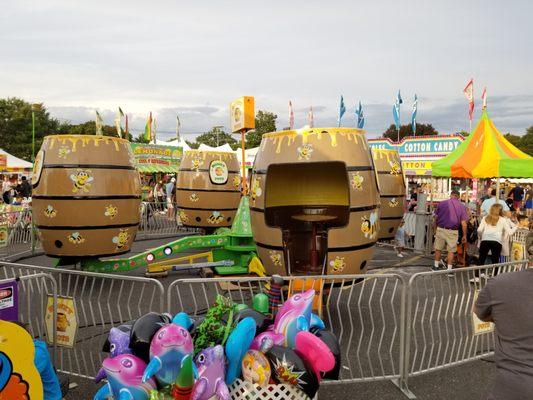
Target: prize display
{"type": "Point", "coordinates": [187, 357]}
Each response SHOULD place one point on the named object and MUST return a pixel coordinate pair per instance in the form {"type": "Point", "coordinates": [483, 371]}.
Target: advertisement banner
{"type": "Point", "coordinates": [156, 158]}
{"type": "Point", "coordinates": [9, 300]}
{"type": "Point", "coordinates": [66, 323]}
{"type": "Point", "coordinates": [437, 146]}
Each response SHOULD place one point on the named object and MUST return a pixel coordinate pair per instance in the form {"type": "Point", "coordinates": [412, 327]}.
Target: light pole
{"type": "Point", "coordinates": [217, 129]}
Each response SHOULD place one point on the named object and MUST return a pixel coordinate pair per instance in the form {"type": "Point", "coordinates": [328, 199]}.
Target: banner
{"type": "Point", "coordinates": [9, 301]}
{"type": "Point", "coordinates": [416, 167]}
{"type": "Point", "coordinates": [66, 322]}
{"type": "Point", "coordinates": [156, 158]}
{"type": "Point", "coordinates": [3, 235]}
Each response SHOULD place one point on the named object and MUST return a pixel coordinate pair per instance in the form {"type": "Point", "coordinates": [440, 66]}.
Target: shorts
{"type": "Point", "coordinates": [446, 238]}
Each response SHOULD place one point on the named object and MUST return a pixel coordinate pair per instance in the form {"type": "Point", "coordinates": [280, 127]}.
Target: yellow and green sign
{"type": "Point", "coordinates": [151, 158]}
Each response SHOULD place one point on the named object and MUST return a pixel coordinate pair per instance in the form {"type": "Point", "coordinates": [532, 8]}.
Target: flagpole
{"type": "Point", "coordinates": [399, 122]}
{"type": "Point", "coordinates": [32, 133]}
{"type": "Point", "coordinates": [127, 132]}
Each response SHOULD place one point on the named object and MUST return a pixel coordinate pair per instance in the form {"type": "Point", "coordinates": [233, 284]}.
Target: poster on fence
{"type": "Point", "coordinates": [66, 322]}
{"type": "Point", "coordinates": [3, 235]}
{"type": "Point", "coordinates": [480, 327]}
{"type": "Point", "coordinates": [9, 300]}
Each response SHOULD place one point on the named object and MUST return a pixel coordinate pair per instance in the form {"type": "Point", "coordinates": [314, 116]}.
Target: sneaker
{"type": "Point", "coordinates": [475, 280]}
{"type": "Point", "coordinates": [400, 255]}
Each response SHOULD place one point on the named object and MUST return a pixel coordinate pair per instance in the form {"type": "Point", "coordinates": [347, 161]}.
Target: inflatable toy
{"type": "Point", "coordinates": [170, 345]}
{"type": "Point", "coordinates": [182, 388]}
{"type": "Point", "coordinates": [288, 367]}
{"type": "Point", "coordinates": [95, 174]}
{"type": "Point", "coordinates": [142, 332]}
{"type": "Point", "coordinates": [262, 321]}
{"type": "Point", "coordinates": [124, 379]}
{"type": "Point", "coordinates": [208, 189]}
{"type": "Point", "coordinates": [211, 364]}
{"type": "Point", "coordinates": [19, 379]}
{"type": "Point", "coordinates": [391, 191]}
{"type": "Point", "coordinates": [216, 325]}
{"type": "Point", "coordinates": [293, 316]}
{"type": "Point", "coordinates": [256, 368]}
{"type": "Point", "coordinates": [237, 345]}
{"type": "Point", "coordinates": [333, 344]}
{"type": "Point", "coordinates": [314, 195]}
{"type": "Point", "coordinates": [183, 319]}
{"type": "Point", "coordinates": [315, 352]}
{"type": "Point", "coordinates": [118, 342]}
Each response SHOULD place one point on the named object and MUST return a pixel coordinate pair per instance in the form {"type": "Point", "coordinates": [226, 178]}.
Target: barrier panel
{"type": "Point", "coordinates": [158, 221]}
{"type": "Point", "coordinates": [440, 328]}
{"type": "Point", "coordinates": [92, 303]}
{"type": "Point", "coordinates": [35, 294]}
{"type": "Point", "coordinates": [16, 232]}
{"type": "Point", "coordinates": [365, 312]}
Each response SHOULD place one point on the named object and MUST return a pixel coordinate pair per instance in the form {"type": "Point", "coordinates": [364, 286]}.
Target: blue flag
{"type": "Point", "coordinates": [360, 116]}
{"type": "Point", "coordinates": [342, 110]}
{"type": "Point", "coordinates": [413, 115]}
{"type": "Point", "coordinates": [396, 110]}
{"type": "Point", "coordinates": [399, 98]}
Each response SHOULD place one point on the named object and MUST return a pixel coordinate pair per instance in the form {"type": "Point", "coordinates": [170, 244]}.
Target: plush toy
{"type": "Point", "coordinates": [211, 364]}
{"type": "Point", "coordinates": [170, 345]}
{"type": "Point", "coordinates": [237, 345]}
{"type": "Point", "coordinates": [124, 379]}
{"type": "Point", "coordinates": [293, 316]}
{"type": "Point", "coordinates": [183, 319]}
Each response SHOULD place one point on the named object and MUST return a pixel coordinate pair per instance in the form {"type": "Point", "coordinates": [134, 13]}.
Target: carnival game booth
{"type": "Point", "coordinates": [9, 164]}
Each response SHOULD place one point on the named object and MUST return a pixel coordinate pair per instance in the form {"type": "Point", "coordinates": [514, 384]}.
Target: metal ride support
{"type": "Point", "coordinates": [365, 312]}
{"type": "Point", "coordinates": [101, 301]}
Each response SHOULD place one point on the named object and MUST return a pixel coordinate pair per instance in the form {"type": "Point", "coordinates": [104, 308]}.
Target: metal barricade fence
{"type": "Point", "coordinates": [439, 317]}
{"type": "Point", "coordinates": [158, 221]}
{"type": "Point", "coordinates": [36, 294]}
{"type": "Point", "coordinates": [16, 232]}
{"type": "Point", "coordinates": [364, 312]}
{"type": "Point", "coordinates": [101, 301]}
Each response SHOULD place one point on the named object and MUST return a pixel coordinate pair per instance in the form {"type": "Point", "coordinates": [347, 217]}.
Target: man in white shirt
{"type": "Point", "coordinates": [485, 206]}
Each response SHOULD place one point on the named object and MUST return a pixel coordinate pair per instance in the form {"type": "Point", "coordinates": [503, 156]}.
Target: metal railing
{"type": "Point", "coordinates": [365, 312]}
{"type": "Point", "coordinates": [101, 301]}
{"type": "Point", "coordinates": [36, 293]}
{"type": "Point", "coordinates": [439, 318]}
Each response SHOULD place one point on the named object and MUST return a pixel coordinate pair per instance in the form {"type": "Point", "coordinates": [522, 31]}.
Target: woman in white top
{"type": "Point", "coordinates": [492, 230]}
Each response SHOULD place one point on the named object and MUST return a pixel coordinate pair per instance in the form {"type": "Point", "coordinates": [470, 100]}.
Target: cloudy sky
{"type": "Point", "coordinates": [193, 57]}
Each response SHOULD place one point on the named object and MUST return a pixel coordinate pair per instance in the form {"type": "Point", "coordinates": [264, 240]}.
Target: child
{"type": "Point", "coordinates": [523, 221]}
{"type": "Point", "coordinates": [400, 240]}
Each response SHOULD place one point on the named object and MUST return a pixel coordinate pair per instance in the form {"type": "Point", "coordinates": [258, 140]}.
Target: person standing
{"type": "Point", "coordinates": [170, 186]}
{"type": "Point", "coordinates": [7, 190]}
{"type": "Point", "coordinates": [529, 202]}
{"type": "Point", "coordinates": [24, 189]}
{"type": "Point", "coordinates": [506, 300]}
{"type": "Point", "coordinates": [492, 230]}
{"type": "Point", "coordinates": [487, 204]}
{"type": "Point", "coordinates": [450, 216]}
{"type": "Point", "coordinates": [518, 196]}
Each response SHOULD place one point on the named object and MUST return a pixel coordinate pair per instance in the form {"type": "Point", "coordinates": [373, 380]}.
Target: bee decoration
{"type": "Point", "coordinates": [111, 211]}
{"type": "Point", "coordinates": [305, 152]}
{"type": "Point", "coordinates": [276, 258]}
{"type": "Point", "coordinates": [50, 211]}
{"type": "Point", "coordinates": [357, 181]}
{"type": "Point", "coordinates": [395, 167]}
{"type": "Point", "coordinates": [338, 264]}
{"type": "Point", "coordinates": [369, 225]}
{"type": "Point", "coordinates": [393, 202]}
{"type": "Point", "coordinates": [76, 238]}
{"type": "Point", "coordinates": [122, 239]}
{"type": "Point", "coordinates": [215, 218]}
{"type": "Point", "coordinates": [82, 180]}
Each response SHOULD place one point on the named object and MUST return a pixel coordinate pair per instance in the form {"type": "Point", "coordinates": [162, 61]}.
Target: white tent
{"type": "Point", "coordinates": [175, 143]}
{"type": "Point", "coordinates": [14, 164]}
{"type": "Point", "coordinates": [226, 148]}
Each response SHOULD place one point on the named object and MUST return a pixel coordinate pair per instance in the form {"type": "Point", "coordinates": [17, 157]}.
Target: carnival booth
{"type": "Point", "coordinates": [9, 164]}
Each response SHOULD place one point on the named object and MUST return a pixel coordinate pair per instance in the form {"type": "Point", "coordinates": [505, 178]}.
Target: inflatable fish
{"type": "Point", "coordinates": [169, 347]}
{"type": "Point", "coordinates": [315, 352]}
{"type": "Point", "coordinates": [293, 316]}
{"type": "Point", "coordinates": [211, 364]}
{"type": "Point", "coordinates": [119, 343]}
{"type": "Point", "coordinates": [124, 374]}
{"type": "Point", "coordinates": [237, 345]}
{"type": "Point", "coordinates": [182, 319]}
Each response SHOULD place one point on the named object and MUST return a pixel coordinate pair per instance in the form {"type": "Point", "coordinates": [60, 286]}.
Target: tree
{"type": "Point", "coordinates": [464, 133]}
{"type": "Point", "coordinates": [514, 139]}
{"type": "Point", "coordinates": [216, 137]}
{"type": "Point", "coordinates": [407, 130]}
{"type": "Point", "coordinates": [141, 138]}
{"type": "Point", "coordinates": [16, 126]}
{"type": "Point", "coordinates": [526, 142]}
{"type": "Point", "coordinates": [265, 122]}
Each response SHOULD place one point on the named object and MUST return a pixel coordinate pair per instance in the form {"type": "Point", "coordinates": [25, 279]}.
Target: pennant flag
{"type": "Point", "coordinates": [310, 117]}
{"type": "Point", "coordinates": [118, 122]}
{"type": "Point", "coordinates": [342, 110]}
{"type": "Point", "coordinates": [178, 127]}
{"type": "Point", "coordinates": [99, 123]}
{"type": "Point", "coordinates": [291, 116]}
{"type": "Point", "coordinates": [399, 98]}
{"type": "Point", "coordinates": [484, 97]}
{"type": "Point", "coordinates": [360, 116]}
{"type": "Point", "coordinates": [413, 115]}
{"type": "Point", "coordinates": [396, 111]}
{"type": "Point", "coordinates": [127, 130]}
{"type": "Point", "coordinates": [154, 133]}
{"type": "Point", "coordinates": [469, 93]}
{"type": "Point", "coordinates": [148, 128]}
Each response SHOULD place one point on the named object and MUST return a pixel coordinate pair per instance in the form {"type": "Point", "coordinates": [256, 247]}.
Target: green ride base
{"type": "Point", "coordinates": [235, 244]}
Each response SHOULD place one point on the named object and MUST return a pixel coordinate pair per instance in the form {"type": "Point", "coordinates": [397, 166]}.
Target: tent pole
{"type": "Point", "coordinates": [498, 188]}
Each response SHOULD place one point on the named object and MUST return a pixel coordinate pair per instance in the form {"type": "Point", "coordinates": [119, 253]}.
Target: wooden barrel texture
{"type": "Point", "coordinates": [391, 184]}
{"type": "Point", "coordinates": [208, 189]}
{"type": "Point", "coordinates": [286, 155]}
{"type": "Point", "coordinates": [86, 195]}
